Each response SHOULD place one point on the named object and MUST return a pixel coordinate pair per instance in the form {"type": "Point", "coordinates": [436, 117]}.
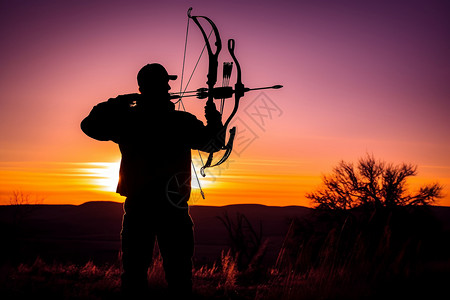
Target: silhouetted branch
{"type": "Point", "coordinates": [372, 184]}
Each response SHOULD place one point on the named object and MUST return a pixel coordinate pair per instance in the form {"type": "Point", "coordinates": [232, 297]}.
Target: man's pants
{"type": "Point", "coordinates": [173, 228]}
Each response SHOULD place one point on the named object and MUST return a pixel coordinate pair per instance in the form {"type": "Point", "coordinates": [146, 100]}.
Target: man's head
{"type": "Point", "coordinates": [154, 79]}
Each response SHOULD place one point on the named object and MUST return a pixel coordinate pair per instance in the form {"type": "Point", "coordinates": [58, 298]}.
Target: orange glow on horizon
{"type": "Point", "coordinates": [266, 182]}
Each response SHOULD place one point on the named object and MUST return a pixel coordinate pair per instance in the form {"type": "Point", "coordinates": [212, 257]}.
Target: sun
{"type": "Point", "coordinates": [105, 175]}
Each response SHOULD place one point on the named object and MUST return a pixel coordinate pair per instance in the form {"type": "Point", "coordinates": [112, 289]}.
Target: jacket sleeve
{"type": "Point", "coordinates": [104, 121]}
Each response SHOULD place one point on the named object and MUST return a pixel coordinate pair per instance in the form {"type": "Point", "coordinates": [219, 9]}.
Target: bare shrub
{"type": "Point", "coordinates": [371, 184]}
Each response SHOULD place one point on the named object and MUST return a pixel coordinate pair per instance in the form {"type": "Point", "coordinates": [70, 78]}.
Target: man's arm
{"type": "Point", "coordinates": [104, 121]}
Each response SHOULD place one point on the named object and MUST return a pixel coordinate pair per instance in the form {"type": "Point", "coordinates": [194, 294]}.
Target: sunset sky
{"type": "Point", "coordinates": [360, 77]}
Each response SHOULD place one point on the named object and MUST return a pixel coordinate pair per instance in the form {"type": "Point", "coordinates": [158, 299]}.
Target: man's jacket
{"type": "Point", "coordinates": [155, 141]}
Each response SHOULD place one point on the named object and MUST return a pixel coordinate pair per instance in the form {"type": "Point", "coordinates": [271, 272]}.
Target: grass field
{"type": "Point", "coordinates": [389, 255]}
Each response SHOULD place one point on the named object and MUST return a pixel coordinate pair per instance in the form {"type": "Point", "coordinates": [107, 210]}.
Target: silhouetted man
{"type": "Point", "coordinates": [155, 174]}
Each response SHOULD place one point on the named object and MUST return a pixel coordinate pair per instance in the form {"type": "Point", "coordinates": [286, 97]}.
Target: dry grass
{"type": "Point", "coordinates": [89, 281]}
{"type": "Point", "coordinates": [379, 257]}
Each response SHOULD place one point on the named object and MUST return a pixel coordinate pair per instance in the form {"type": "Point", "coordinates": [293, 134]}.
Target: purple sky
{"type": "Point", "coordinates": [359, 76]}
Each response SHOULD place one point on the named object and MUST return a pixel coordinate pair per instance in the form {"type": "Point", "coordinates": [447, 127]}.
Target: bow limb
{"type": "Point", "coordinates": [213, 56]}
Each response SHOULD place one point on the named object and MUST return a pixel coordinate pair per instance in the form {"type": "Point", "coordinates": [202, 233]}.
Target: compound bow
{"type": "Point", "coordinates": [224, 92]}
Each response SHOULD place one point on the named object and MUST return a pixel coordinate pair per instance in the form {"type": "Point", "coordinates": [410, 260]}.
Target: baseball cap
{"type": "Point", "coordinates": [153, 71]}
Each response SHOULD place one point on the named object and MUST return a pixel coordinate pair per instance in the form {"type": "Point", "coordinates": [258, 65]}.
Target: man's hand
{"type": "Point", "coordinates": [211, 113]}
{"type": "Point", "coordinates": [124, 101]}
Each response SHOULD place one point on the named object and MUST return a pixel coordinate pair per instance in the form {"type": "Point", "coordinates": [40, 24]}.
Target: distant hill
{"type": "Point", "coordinates": [91, 231]}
